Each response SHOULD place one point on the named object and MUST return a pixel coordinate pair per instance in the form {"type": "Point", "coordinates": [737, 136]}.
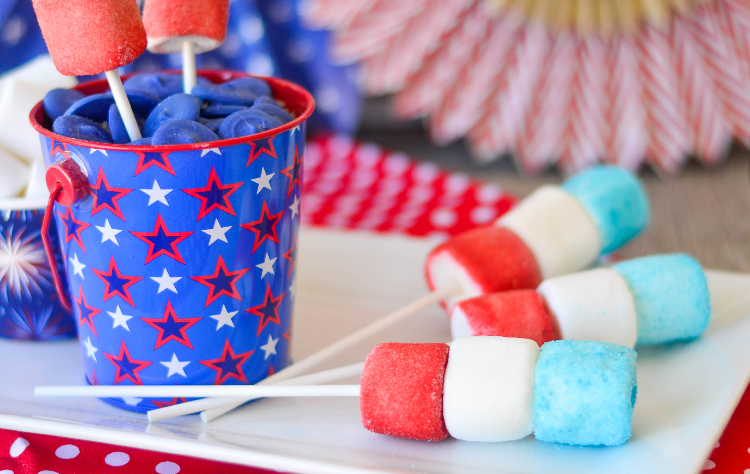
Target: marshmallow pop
{"type": "Point", "coordinates": [554, 231]}
{"type": "Point", "coordinates": [648, 300]}
{"type": "Point", "coordinates": [87, 38]}
{"type": "Point", "coordinates": [187, 26]}
{"type": "Point", "coordinates": [493, 389]}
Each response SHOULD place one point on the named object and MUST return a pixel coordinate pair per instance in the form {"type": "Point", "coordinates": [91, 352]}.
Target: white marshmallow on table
{"type": "Point", "coordinates": [16, 133]}
{"type": "Point", "coordinates": [557, 229]}
{"type": "Point", "coordinates": [594, 305]}
{"type": "Point", "coordinates": [14, 175]}
{"type": "Point", "coordinates": [488, 390]}
{"type": "Point", "coordinates": [37, 183]}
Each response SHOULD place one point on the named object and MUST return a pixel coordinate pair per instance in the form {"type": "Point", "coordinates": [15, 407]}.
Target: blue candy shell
{"type": "Point", "coordinates": [259, 87]}
{"type": "Point", "coordinates": [584, 393]}
{"type": "Point", "coordinates": [117, 126]}
{"type": "Point", "coordinates": [671, 297]}
{"type": "Point", "coordinates": [96, 107]}
{"type": "Point", "coordinates": [616, 201]}
{"type": "Point", "coordinates": [220, 110]}
{"type": "Point", "coordinates": [241, 91]}
{"type": "Point", "coordinates": [160, 85]}
{"type": "Point", "coordinates": [57, 101]}
{"type": "Point", "coordinates": [212, 124]}
{"type": "Point", "coordinates": [143, 141]}
{"type": "Point", "coordinates": [175, 107]}
{"type": "Point", "coordinates": [274, 111]}
{"type": "Point", "coordinates": [247, 122]}
{"type": "Point", "coordinates": [175, 132]}
{"type": "Point", "coordinates": [81, 128]}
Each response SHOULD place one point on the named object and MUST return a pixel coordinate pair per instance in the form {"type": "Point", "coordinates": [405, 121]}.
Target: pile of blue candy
{"type": "Point", "coordinates": [165, 115]}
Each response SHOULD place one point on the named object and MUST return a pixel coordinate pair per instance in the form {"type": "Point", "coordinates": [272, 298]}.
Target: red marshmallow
{"type": "Point", "coordinates": [203, 21]}
{"type": "Point", "coordinates": [518, 313]}
{"type": "Point", "coordinates": [90, 37]}
{"type": "Point", "coordinates": [401, 390]}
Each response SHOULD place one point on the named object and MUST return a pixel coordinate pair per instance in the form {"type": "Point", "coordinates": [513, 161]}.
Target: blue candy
{"type": "Point", "coordinates": [220, 110]}
{"type": "Point", "coordinates": [96, 107]}
{"type": "Point", "coordinates": [212, 124]}
{"type": "Point", "coordinates": [175, 107]}
{"type": "Point", "coordinates": [74, 126]}
{"type": "Point", "coordinates": [57, 101]}
{"type": "Point", "coordinates": [143, 141]}
{"type": "Point", "coordinates": [247, 122]}
{"type": "Point", "coordinates": [274, 111]}
{"type": "Point", "coordinates": [584, 393]}
{"type": "Point", "coordinates": [670, 295]}
{"type": "Point", "coordinates": [175, 132]}
{"type": "Point", "coordinates": [117, 126]}
{"type": "Point", "coordinates": [615, 200]}
{"type": "Point", "coordinates": [242, 91]}
{"type": "Point", "coordinates": [159, 85]}
{"type": "Point", "coordinates": [265, 99]}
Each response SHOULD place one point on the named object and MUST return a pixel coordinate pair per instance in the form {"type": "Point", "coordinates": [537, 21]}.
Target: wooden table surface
{"type": "Point", "coordinates": [701, 211]}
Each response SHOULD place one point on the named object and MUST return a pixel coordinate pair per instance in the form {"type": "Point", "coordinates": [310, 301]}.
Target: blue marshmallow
{"type": "Point", "coordinates": [57, 101]}
{"type": "Point", "coordinates": [615, 200]}
{"type": "Point", "coordinates": [584, 393]}
{"type": "Point", "coordinates": [175, 107]}
{"type": "Point", "coordinates": [179, 132]}
{"type": "Point", "coordinates": [81, 128]}
{"type": "Point", "coordinates": [247, 122]}
{"type": "Point", "coordinates": [671, 297]}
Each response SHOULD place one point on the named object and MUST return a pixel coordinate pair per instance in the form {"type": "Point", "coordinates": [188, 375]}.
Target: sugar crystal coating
{"type": "Point", "coordinates": [168, 22]}
{"type": "Point", "coordinates": [401, 390]}
{"type": "Point", "coordinates": [671, 297]}
{"type": "Point", "coordinates": [517, 313]}
{"type": "Point", "coordinates": [584, 393]}
{"type": "Point", "coordinates": [86, 38]}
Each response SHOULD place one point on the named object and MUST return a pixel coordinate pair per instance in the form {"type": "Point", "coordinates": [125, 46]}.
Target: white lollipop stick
{"type": "Point", "coordinates": [189, 72]}
{"type": "Point", "coordinates": [123, 105]}
{"type": "Point", "coordinates": [294, 370]}
{"type": "Point", "coordinates": [311, 379]}
{"type": "Point", "coordinates": [172, 391]}
{"type": "Point", "coordinates": [343, 344]}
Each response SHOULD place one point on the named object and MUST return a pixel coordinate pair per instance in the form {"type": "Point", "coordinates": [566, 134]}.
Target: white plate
{"type": "Point", "coordinates": [686, 392]}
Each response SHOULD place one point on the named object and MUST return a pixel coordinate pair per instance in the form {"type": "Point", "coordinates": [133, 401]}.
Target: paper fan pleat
{"type": "Point", "coordinates": [543, 141]}
{"type": "Point", "coordinates": [425, 89]}
{"type": "Point", "coordinates": [334, 14]}
{"type": "Point", "coordinates": [387, 70]}
{"type": "Point", "coordinates": [461, 106]}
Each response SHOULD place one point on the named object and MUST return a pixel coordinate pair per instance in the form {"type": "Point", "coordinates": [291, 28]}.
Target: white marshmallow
{"type": "Point", "coordinates": [173, 44]}
{"type": "Point", "coordinates": [557, 229]}
{"type": "Point", "coordinates": [444, 272]}
{"type": "Point", "coordinates": [13, 175]}
{"type": "Point", "coordinates": [488, 392]}
{"type": "Point", "coordinates": [595, 305]}
{"type": "Point", "coordinates": [37, 185]}
{"type": "Point", "coordinates": [16, 133]}
{"type": "Point", "coordinates": [459, 324]}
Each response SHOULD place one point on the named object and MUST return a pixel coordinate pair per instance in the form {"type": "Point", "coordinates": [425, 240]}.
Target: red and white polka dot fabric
{"type": "Point", "coordinates": [347, 185]}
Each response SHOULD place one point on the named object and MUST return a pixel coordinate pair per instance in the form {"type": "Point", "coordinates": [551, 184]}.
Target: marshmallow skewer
{"type": "Point", "coordinates": [649, 300]}
{"type": "Point", "coordinates": [214, 407]}
{"type": "Point", "coordinates": [555, 230]}
{"type": "Point", "coordinates": [187, 27]}
{"type": "Point", "coordinates": [107, 34]}
{"type": "Point", "coordinates": [310, 379]}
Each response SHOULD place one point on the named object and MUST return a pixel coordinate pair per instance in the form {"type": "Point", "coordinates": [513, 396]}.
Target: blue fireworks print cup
{"type": "Point", "coordinates": [185, 254]}
{"type": "Point", "coordinates": [29, 305]}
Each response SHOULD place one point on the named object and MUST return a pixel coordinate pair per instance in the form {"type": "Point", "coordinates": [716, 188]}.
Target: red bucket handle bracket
{"type": "Point", "coordinates": [67, 185]}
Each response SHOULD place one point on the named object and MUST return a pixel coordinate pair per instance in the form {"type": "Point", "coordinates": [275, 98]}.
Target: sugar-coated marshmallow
{"type": "Point", "coordinates": [671, 297]}
{"type": "Point", "coordinates": [401, 390]}
{"type": "Point", "coordinates": [169, 23]}
{"type": "Point", "coordinates": [584, 393]}
{"type": "Point", "coordinates": [515, 313]}
{"type": "Point", "coordinates": [482, 260]}
{"type": "Point", "coordinates": [593, 305]}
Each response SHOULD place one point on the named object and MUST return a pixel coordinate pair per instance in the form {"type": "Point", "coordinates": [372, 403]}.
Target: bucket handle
{"type": "Point", "coordinates": [64, 300]}
{"type": "Point", "coordinates": [67, 185]}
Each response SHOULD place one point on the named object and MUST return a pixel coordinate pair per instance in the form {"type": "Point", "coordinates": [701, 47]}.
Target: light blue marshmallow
{"type": "Point", "coordinates": [670, 295]}
{"type": "Point", "coordinates": [615, 200]}
{"type": "Point", "coordinates": [584, 393]}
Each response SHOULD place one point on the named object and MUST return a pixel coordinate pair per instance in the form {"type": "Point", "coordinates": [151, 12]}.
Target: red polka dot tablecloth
{"type": "Point", "coordinates": [347, 185]}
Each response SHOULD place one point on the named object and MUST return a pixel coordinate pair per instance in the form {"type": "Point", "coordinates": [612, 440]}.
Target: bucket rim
{"type": "Point", "coordinates": [277, 85]}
